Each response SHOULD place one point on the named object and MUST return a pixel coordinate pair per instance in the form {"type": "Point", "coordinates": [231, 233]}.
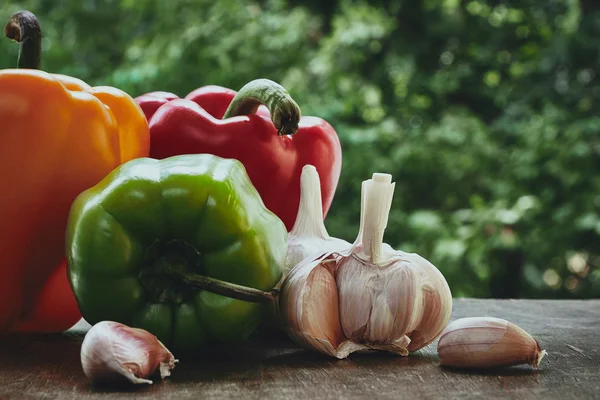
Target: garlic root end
{"type": "Point", "coordinates": [347, 348]}
{"type": "Point", "coordinates": [399, 346]}
{"type": "Point", "coordinates": [165, 368]}
{"type": "Point", "coordinates": [135, 380]}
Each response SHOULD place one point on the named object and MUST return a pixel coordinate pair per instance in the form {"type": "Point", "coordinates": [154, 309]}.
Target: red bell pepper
{"type": "Point", "coordinates": [261, 126]}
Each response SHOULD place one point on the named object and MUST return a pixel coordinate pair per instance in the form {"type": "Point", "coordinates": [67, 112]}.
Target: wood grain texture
{"type": "Point", "coordinates": [48, 367]}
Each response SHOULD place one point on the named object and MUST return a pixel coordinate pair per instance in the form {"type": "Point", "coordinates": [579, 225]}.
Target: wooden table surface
{"type": "Point", "coordinates": [48, 367]}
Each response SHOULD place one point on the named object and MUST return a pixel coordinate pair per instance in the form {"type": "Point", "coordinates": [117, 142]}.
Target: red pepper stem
{"type": "Point", "coordinates": [23, 28]}
{"type": "Point", "coordinates": [229, 289]}
{"type": "Point", "coordinates": [285, 113]}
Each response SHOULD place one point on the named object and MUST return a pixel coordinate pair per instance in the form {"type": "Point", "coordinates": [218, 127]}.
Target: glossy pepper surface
{"type": "Point", "coordinates": [170, 245]}
{"type": "Point", "coordinates": [261, 126]}
{"type": "Point", "coordinates": [58, 137]}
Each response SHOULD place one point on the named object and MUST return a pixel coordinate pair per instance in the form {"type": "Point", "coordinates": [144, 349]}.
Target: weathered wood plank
{"type": "Point", "coordinates": [49, 367]}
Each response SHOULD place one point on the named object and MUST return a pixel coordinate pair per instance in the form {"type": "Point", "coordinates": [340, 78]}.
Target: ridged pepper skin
{"type": "Point", "coordinates": [135, 238]}
{"type": "Point", "coordinates": [274, 159]}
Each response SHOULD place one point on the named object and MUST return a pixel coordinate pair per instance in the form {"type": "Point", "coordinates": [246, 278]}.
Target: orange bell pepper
{"type": "Point", "coordinates": [58, 137]}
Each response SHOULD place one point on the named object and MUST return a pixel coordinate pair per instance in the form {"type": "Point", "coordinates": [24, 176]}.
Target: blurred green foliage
{"type": "Point", "coordinates": [485, 112]}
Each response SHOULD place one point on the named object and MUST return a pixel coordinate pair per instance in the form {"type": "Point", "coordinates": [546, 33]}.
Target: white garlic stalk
{"type": "Point", "coordinates": [113, 351]}
{"type": "Point", "coordinates": [309, 237]}
{"type": "Point", "coordinates": [368, 295]}
{"type": "Point", "coordinates": [487, 342]}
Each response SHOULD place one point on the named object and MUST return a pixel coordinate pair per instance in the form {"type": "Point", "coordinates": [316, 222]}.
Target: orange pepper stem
{"type": "Point", "coordinates": [23, 28]}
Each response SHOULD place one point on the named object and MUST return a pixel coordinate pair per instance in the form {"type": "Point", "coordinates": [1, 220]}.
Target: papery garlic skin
{"type": "Point", "coordinates": [368, 295]}
{"type": "Point", "coordinates": [487, 342]}
{"type": "Point", "coordinates": [113, 351]}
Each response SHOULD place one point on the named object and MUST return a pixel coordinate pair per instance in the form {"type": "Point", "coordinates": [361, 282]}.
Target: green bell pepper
{"type": "Point", "coordinates": [182, 247]}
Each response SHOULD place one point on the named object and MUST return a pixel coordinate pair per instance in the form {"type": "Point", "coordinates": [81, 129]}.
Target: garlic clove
{"type": "Point", "coordinates": [309, 304]}
{"type": "Point", "coordinates": [356, 288]}
{"type": "Point", "coordinates": [486, 342]}
{"type": "Point", "coordinates": [404, 294]}
{"type": "Point", "coordinates": [436, 304]}
{"type": "Point", "coordinates": [113, 351]}
{"type": "Point", "coordinates": [320, 306]}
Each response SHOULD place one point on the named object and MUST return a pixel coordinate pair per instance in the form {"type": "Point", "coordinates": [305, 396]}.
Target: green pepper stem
{"type": "Point", "coordinates": [285, 113]}
{"type": "Point", "coordinates": [169, 276]}
{"type": "Point", "coordinates": [228, 289]}
{"type": "Point", "coordinates": [23, 28]}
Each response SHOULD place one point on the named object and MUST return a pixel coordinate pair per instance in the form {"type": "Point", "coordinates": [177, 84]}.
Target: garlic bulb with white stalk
{"type": "Point", "coordinates": [367, 296]}
{"type": "Point", "coordinates": [308, 238]}
{"type": "Point", "coordinates": [112, 351]}
{"type": "Point", "coordinates": [486, 342]}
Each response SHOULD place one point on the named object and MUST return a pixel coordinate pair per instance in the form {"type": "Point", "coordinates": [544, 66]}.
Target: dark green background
{"type": "Point", "coordinates": [486, 113]}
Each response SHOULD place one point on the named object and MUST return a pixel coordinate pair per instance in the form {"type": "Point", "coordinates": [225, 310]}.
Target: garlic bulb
{"type": "Point", "coordinates": [368, 295]}
{"type": "Point", "coordinates": [113, 351]}
{"type": "Point", "coordinates": [308, 238]}
{"type": "Point", "coordinates": [487, 342]}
